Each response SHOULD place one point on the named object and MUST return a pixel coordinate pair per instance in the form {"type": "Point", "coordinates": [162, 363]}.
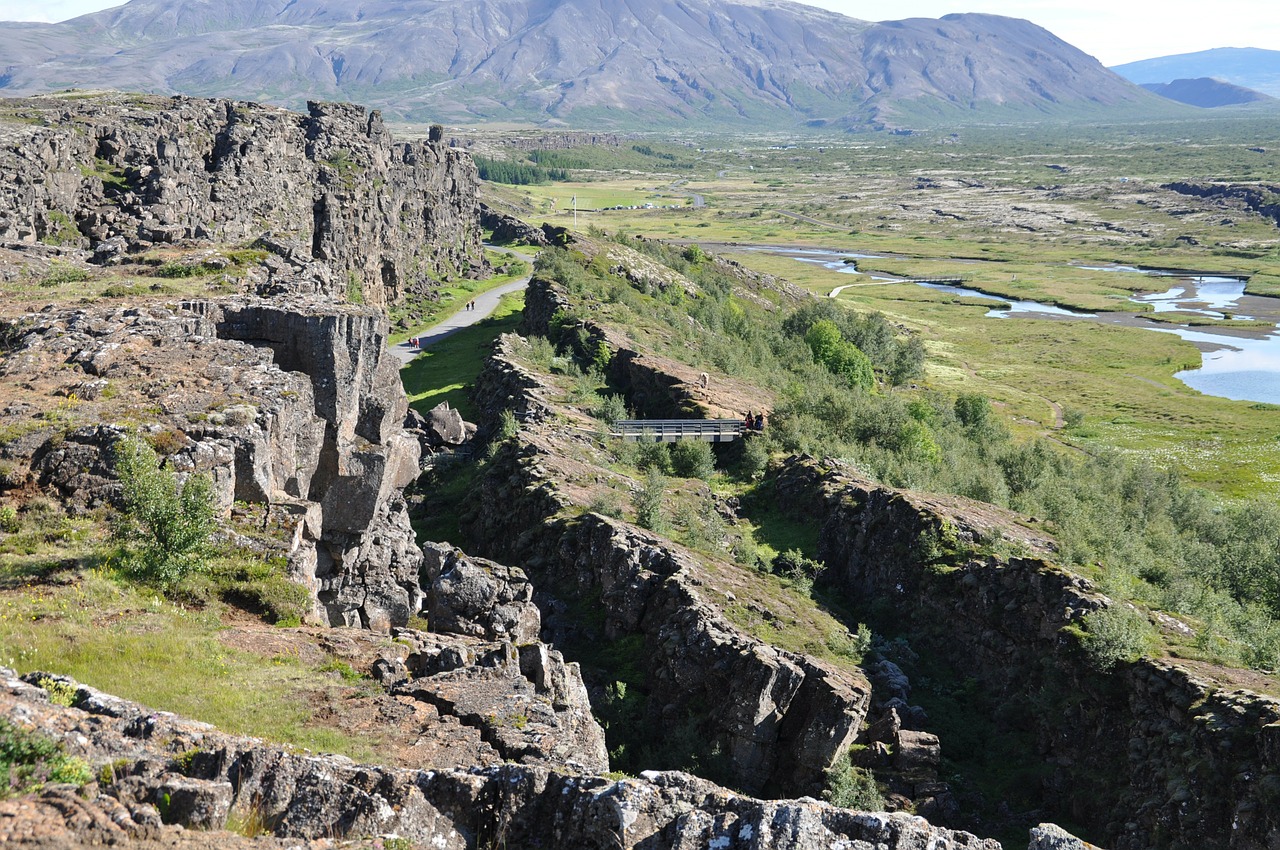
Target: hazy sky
{"type": "Point", "coordinates": [1115, 31]}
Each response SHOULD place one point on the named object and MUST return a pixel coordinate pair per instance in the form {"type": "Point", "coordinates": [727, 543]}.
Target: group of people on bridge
{"type": "Point", "coordinates": [753, 422]}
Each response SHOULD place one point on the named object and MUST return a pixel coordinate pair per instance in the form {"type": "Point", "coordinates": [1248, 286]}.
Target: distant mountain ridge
{"type": "Point", "coordinates": [734, 62]}
{"type": "Point", "coordinates": [1208, 93]}
{"type": "Point", "coordinates": [1250, 67]}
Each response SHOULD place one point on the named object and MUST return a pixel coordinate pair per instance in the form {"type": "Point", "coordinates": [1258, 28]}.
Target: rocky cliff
{"type": "Point", "coordinates": [779, 718]}
{"type": "Point", "coordinates": [347, 211]}
{"type": "Point", "coordinates": [1153, 754]}
{"type": "Point", "coordinates": [294, 405]}
{"type": "Point", "coordinates": [158, 774]}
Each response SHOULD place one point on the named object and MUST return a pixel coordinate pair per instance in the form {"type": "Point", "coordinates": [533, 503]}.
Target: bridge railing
{"type": "Point", "coordinates": [671, 430]}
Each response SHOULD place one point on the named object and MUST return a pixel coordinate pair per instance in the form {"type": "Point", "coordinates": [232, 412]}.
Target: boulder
{"type": "Point", "coordinates": [477, 597]}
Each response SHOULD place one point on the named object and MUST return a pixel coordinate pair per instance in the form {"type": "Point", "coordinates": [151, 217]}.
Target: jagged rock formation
{"type": "Point", "coordinates": [296, 405]}
{"type": "Point", "coordinates": [739, 62]}
{"type": "Point", "coordinates": [1152, 755]}
{"type": "Point", "coordinates": [1263, 199]}
{"type": "Point", "coordinates": [344, 209]}
{"type": "Point", "coordinates": [509, 230]}
{"type": "Point", "coordinates": [781, 718]}
{"type": "Point", "coordinates": [163, 772]}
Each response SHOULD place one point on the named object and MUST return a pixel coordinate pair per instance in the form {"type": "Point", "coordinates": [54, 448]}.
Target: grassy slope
{"type": "Point", "coordinates": [60, 614]}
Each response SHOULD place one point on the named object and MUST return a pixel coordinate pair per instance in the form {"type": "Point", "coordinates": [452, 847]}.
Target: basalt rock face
{"type": "Point", "coordinates": [342, 206]}
{"type": "Point", "coordinates": [527, 703]}
{"type": "Point", "coordinates": [1150, 755]}
{"type": "Point", "coordinates": [294, 405]}
{"type": "Point", "coordinates": [781, 719]}
{"type": "Point", "coordinates": [167, 773]}
{"type": "Point", "coordinates": [1262, 198]}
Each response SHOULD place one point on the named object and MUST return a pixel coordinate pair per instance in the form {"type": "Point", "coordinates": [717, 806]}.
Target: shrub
{"type": "Point", "coordinates": [28, 761]}
{"type": "Point", "coordinates": [794, 565]}
{"type": "Point", "coordinates": [60, 273]}
{"type": "Point", "coordinates": [508, 425]}
{"type": "Point", "coordinates": [1115, 634]}
{"type": "Point", "coordinates": [851, 787]}
{"type": "Point", "coordinates": [655, 457]}
{"type": "Point", "coordinates": [611, 408]}
{"type": "Point", "coordinates": [649, 500]}
{"type": "Point", "coordinates": [972, 409]}
{"type": "Point", "coordinates": [164, 527]}
{"type": "Point", "coordinates": [60, 693]}
{"type": "Point", "coordinates": [9, 520]}
{"type": "Point", "coordinates": [754, 458]}
{"type": "Point", "coordinates": [693, 459]}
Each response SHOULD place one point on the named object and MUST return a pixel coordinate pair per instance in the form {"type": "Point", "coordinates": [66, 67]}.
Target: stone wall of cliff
{"type": "Point", "coordinates": [159, 774]}
{"type": "Point", "coordinates": [330, 190]}
{"type": "Point", "coordinates": [1150, 755]}
{"type": "Point", "coordinates": [295, 404]}
{"type": "Point", "coordinates": [780, 718]}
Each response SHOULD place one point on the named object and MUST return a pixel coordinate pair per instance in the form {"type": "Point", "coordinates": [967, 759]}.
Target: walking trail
{"type": "Point", "coordinates": [485, 304]}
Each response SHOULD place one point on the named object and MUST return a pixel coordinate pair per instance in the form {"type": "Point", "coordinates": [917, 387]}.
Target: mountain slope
{"type": "Point", "coordinates": [1250, 67]}
{"type": "Point", "coordinates": [756, 62]}
{"type": "Point", "coordinates": [1208, 93]}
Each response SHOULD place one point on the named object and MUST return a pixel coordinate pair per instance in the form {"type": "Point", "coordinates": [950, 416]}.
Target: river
{"type": "Point", "coordinates": [1237, 363]}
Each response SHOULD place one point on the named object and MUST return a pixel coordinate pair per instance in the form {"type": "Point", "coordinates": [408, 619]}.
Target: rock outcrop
{"type": "Point", "coordinates": [1261, 198]}
{"type": "Point", "coordinates": [1151, 755]}
{"type": "Point", "coordinates": [780, 718]}
{"type": "Point", "coordinates": [509, 230]}
{"type": "Point", "coordinates": [158, 774]}
{"type": "Point", "coordinates": [343, 209]}
{"type": "Point", "coordinates": [296, 405]}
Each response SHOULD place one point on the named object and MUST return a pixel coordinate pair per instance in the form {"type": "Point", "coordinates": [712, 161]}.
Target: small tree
{"type": "Point", "coordinates": [693, 459]}
{"type": "Point", "coordinates": [164, 527]}
{"type": "Point", "coordinates": [648, 501]}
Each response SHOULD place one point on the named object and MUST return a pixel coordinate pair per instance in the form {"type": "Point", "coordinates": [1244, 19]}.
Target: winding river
{"type": "Point", "coordinates": [1241, 363]}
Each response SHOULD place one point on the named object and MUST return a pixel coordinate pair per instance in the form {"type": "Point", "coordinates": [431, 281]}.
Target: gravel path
{"type": "Point", "coordinates": [485, 304]}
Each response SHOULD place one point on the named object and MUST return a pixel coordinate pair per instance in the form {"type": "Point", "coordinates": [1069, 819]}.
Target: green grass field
{"type": "Point", "coordinates": [448, 368]}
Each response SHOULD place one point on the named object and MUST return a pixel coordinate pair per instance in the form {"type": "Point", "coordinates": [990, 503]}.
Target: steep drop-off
{"type": "Point", "coordinates": [348, 211]}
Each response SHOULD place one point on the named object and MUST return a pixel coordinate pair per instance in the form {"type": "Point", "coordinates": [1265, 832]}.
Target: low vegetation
{"type": "Point", "coordinates": [1138, 529]}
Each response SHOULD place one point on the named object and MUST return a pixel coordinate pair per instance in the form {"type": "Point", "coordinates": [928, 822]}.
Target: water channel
{"type": "Point", "coordinates": [1238, 363]}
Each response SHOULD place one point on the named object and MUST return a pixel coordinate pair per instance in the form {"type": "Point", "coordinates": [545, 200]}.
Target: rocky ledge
{"type": "Point", "coordinates": [160, 776]}
{"type": "Point", "coordinates": [293, 405]}
{"type": "Point", "coordinates": [329, 193]}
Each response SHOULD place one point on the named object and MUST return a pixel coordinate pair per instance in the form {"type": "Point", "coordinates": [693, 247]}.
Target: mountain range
{"type": "Point", "coordinates": [582, 62]}
{"type": "Point", "coordinates": [1249, 67]}
{"type": "Point", "coordinates": [1209, 93]}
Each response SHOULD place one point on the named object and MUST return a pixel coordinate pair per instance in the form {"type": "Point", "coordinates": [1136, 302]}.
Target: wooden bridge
{"type": "Point", "coordinates": [671, 430]}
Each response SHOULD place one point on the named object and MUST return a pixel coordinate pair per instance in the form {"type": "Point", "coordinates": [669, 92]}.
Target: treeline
{"type": "Point", "coordinates": [1140, 531]}
{"type": "Point", "coordinates": [646, 150]}
{"type": "Point", "coordinates": [557, 159]}
{"type": "Point", "coordinates": [516, 174]}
